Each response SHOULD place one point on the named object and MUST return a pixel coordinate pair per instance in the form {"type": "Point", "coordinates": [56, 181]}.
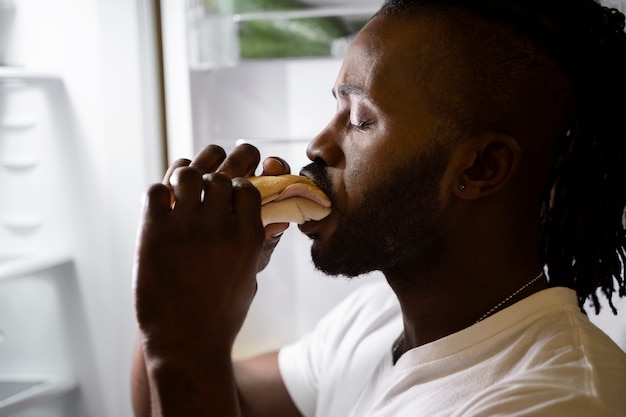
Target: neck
{"type": "Point", "coordinates": [445, 300]}
{"type": "Point", "coordinates": [486, 259]}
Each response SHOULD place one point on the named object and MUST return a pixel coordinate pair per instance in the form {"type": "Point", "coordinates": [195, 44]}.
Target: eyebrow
{"type": "Point", "coordinates": [345, 90]}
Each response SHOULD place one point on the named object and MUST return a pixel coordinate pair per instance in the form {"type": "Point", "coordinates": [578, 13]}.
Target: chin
{"type": "Point", "coordinates": [337, 260]}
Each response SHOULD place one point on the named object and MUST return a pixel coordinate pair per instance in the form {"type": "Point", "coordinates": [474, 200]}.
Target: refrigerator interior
{"type": "Point", "coordinates": [278, 105]}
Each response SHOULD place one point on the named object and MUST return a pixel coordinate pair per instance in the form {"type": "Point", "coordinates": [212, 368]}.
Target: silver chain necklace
{"type": "Point", "coordinates": [497, 306]}
{"type": "Point", "coordinates": [398, 345]}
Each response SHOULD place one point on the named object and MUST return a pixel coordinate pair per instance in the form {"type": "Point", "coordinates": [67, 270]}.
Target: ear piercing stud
{"type": "Point", "coordinates": [461, 186]}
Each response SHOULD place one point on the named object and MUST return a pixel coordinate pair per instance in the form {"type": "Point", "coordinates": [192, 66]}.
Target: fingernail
{"type": "Point", "coordinates": [277, 235]}
{"type": "Point", "coordinates": [280, 161]}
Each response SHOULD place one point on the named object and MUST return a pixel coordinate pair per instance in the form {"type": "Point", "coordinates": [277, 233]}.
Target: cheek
{"type": "Point", "coordinates": [371, 157]}
{"type": "Point", "coordinates": [362, 168]}
{"type": "Point", "coordinates": [355, 181]}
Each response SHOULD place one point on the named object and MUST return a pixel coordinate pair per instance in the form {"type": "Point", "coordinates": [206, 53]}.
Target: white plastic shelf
{"type": "Point", "coordinates": [22, 74]}
{"type": "Point", "coordinates": [19, 392]}
{"type": "Point", "coordinates": [337, 11]}
{"type": "Point", "coordinates": [15, 267]}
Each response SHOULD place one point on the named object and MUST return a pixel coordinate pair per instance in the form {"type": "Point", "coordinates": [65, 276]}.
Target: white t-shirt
{"type": "Point", "coordinates": [538, 357]}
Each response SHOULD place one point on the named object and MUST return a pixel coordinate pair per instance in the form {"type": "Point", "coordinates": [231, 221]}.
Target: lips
{"type": "Point", "coordinates": [312, 228]}
{"type": "Point", "coordinates": [317, 174]}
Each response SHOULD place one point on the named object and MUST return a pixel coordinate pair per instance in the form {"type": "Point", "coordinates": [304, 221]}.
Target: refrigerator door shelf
{"type": "Point", "coordinates": [18, 122]}
{"type": "Point", "coordinates": [218, 39]}
{"type": "Point", "coordinates": [19, 392]}
{"type": "Point", "coordinates": [15, 266]}
{"type": "Point", "coordinates": [20, 163]}
{"type": "Point", "coordinates": [331, 11]}
{"type": "Point", "coordinates": [20, 74]}
{"type": "Point", "coordinates": [23, 225]}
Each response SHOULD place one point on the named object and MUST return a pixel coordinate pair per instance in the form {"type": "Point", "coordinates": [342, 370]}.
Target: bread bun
{"type": "Point", "coordinates": [290, 199]}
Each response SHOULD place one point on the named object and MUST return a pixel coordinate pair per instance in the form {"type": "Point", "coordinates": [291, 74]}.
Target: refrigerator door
{"type": "Point", "coordinates": [79, 143]}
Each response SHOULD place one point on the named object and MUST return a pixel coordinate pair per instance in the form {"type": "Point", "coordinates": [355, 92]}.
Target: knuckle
{"type": "Point", "coordinates": [243, 155]}
{"type": "Point", "coordinates": [184, 175]}
{"type": "Point", "coordinates": [187, 173]}
{"type": "Point", "coordinates": [155, 195]}
{"type": "Point", "coordinates": [242, 184]}
{"type": "Point", "coordinates": [181, 162]}
{"type": "Point", "coordinates": [156, 190]}
{"type": "Point", "coordinates": [216, 149]}
{"type": "Point", "coordinates": [217, 178]}
{"type": "Point", "coordinates": [246, 147]}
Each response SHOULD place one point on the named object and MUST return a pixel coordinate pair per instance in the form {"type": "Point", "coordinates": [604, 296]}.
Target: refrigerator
{"type": "Point", "coordinates": [96, 98]}
{"type": "Point", "coordinates": [80, 139]}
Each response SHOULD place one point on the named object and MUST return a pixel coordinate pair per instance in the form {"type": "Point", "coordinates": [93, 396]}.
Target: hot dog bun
{"type": "Point", "coordinates": [290, 199]}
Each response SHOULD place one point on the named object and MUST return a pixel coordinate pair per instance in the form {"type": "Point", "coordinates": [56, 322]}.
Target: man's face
{"type": "Point", "coordinates": [380, 159]}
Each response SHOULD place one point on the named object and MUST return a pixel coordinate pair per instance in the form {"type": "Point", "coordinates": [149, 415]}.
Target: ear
{"type": "Point", "coordinates": [484, 164]}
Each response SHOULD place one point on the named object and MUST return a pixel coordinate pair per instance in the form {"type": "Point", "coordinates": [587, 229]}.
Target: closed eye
{"type": "Point", "coordinates": [360, 125]}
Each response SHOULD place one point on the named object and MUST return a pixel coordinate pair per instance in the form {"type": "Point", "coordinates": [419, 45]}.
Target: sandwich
{"type": "Point", "coordinates": [290, 199]}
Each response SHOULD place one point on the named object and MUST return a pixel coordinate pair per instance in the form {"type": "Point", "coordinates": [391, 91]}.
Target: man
{"type": "Point", "coordinates": [476, 159]}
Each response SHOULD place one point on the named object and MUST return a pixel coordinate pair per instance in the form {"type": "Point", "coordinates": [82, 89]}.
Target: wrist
{"type": "Point", "coordinates": [193, 385]}
{"type": "Point", "coordinates": [167, 348]}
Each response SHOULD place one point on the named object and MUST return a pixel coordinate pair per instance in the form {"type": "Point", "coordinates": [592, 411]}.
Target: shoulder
{"type": "Point", "coordinates": [563, 365]}
{"type": "Point", "coordinates": [325, 371]}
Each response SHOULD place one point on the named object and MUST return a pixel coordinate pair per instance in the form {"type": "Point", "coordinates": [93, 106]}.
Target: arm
{"type": "Point", "coordinates": [195, 278]}
{"type": "Point", "coordinates": [262, 392]}
{"type": "Point", "coordinates": [140, 386]}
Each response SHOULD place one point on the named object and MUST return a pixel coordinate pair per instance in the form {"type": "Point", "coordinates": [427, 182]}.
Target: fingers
{"type": "Point", "coordinates": [218, 192]}
{"type": "Point", "coordinates": [179, 163]}
{"type": "Point", "coordinates": [186, 184]}
{"type": "Point", "coordinates": [241, 162]}
{"type": "Point", "coordinates": [223, 195]}
{"type": "Point", "coordinates": [246, 198]}
{"type": "Point", "coordinates": [247, 206]}
{"type": "Point", "coordinates": [175, 165]}
{"type": "Point", "coordinates": [209, 159]}
{"type": "Point", "coordinates": [275, 230]}
{"type": "Point", "coordinates": [156, 201]}
{"type": "Point", "coordinates": [273, 233]}
{"type": "Point", "coordinates": [275, 166]}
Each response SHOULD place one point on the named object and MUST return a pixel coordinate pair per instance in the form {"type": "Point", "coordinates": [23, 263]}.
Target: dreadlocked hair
{"type": "Point", "coordinates": [583, 240]}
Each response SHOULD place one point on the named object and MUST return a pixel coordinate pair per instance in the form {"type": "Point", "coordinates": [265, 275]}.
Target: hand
{"type": "Point", "coordinates": [241, 163]}
{"type": "Point", "coordinates": [197, 259]}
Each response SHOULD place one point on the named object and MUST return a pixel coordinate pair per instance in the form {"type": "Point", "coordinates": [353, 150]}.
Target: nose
{"type": "Point", "coordinates": [325, 148]}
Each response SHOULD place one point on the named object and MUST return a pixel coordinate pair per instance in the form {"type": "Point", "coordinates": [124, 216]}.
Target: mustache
{"type": "Point", "coordinates": [317, 173]}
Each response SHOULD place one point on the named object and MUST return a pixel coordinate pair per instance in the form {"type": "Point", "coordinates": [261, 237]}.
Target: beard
{"type": "Point", "coordinates": [396, 223]}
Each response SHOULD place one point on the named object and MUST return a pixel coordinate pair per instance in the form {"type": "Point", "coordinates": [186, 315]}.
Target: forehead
{"type": "Point", "coordinates": [389, 59]}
